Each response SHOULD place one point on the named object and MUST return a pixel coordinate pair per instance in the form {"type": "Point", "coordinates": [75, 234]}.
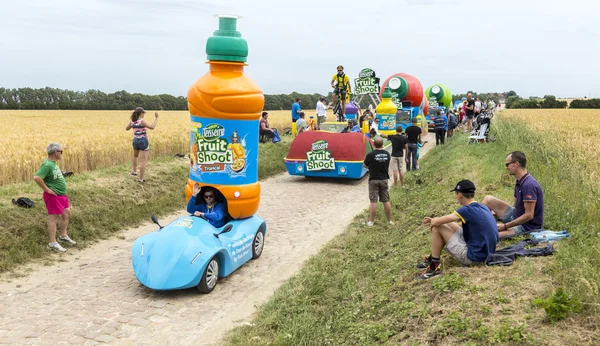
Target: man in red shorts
{"type": "Point", "coordinates": [50, 178]}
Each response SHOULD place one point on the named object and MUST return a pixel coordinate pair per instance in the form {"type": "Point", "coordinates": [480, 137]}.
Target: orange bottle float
{"type": "Point", "coordinates": [225, 107]}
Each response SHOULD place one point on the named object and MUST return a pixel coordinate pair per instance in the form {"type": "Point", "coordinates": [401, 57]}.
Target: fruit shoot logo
{"type": "Point", "coordinates": [319, 158]}
{"type": "Point", "coordinates": [366, 83]}
{"type": "Point", "coordinates": [213, 152]}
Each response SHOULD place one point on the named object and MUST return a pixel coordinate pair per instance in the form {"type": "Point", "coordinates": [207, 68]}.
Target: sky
{"type": "Point", "coordinates": [533, 47]}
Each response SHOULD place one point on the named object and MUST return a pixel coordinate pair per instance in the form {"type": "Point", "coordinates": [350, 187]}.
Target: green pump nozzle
{"type": "Point", "coordinates": [227, 43]}
{"type": "Point", "coordinates": [387, 94]}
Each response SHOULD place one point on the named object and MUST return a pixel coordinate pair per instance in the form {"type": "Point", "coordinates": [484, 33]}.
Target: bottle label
{"type": "Point", "coordinates": [224, 152]}
{"type": "Point", "coordinates": [387, 122]}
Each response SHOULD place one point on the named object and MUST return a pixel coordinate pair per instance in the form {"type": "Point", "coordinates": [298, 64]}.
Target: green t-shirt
{"type": "Point", "coordinates": [53, 177]}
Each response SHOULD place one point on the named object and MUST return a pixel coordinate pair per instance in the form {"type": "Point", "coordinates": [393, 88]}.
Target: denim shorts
{"type": "Point", "coordinates": [510, 215]}
{"type": "Point", "coordinates": [141, 144]}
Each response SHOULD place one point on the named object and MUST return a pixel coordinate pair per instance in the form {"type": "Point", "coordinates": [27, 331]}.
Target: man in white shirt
{"type": "Point", "coordinates": [371, 109]}
{"type": "Point", "coordinates": [321, 112]}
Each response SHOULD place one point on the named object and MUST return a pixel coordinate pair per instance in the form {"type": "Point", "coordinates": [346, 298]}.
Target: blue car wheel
{"type": "Point", "coordinates": [210, 277]}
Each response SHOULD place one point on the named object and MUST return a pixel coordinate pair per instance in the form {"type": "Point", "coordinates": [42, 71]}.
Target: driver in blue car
{"type": "Point", "coordinates": [211, 210]}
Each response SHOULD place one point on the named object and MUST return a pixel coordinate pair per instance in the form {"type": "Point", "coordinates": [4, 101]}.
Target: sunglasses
{"type": "Point", "coordinates": [59, 151]}
{"type": "Point", "coordinates": [340, 70]}
{"type": "Point", "coordinates": [209, 196]}
{"type": "Point", "coordinates": [509, 163]}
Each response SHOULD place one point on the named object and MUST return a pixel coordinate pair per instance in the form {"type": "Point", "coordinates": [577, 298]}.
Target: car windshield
{"type": "Point", "coordinates": [333, 127]}
{"type": "Point", "coordinates": [402, 116]}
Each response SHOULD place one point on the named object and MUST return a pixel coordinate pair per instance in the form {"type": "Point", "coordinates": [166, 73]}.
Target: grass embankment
{"type": "Point", "coordinates": [105, 201]}
{"type": "Point", "coordinates": [360, 288]}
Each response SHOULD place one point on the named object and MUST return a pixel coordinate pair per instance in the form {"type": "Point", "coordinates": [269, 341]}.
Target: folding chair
{"type": "Point", "coordinates": [479, 136]}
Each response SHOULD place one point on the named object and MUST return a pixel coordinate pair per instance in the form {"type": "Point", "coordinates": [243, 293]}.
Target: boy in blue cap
{"type": "Point", "coordinates": [470, 242]}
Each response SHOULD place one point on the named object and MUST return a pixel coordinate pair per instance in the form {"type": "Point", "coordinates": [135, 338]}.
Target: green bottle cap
{"type": "Point", "coordinates": [227, 43]}
{"type": "Point", "coordinates": [387, 93]}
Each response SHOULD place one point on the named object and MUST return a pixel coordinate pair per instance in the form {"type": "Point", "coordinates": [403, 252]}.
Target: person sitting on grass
{"type": "Point", "coordinates": [470, 243]}
{"type": "Point", "coordinates": [527, 213]}
{"type": "Point", "coordinates": [265, 129]}
{"type": "Point", "coordinates": [211, 210]}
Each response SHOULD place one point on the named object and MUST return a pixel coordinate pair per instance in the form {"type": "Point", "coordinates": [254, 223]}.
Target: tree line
{"type": "Point", "coordinates": [53, 98]}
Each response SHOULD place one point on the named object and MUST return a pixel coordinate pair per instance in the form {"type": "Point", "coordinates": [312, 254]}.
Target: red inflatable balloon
{"type": "Point", "coordinates": [405, 88]}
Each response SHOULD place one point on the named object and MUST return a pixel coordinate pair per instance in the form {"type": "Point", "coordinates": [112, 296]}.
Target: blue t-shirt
{"type": "Point", "coordinates": [445, 122]}
{"type": "Point", "coordinates": [215, 215]}
{"type": "Point", "coordinates": [479, 230]}
{"type": "Point", "coordinates": [528, 189]}
{"type": "Point", "coordinates": [295, 109]}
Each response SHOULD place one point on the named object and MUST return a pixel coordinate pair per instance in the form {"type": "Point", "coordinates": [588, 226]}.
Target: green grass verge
{"type": "Point", "coordinates": [360, 289]}
{"type": "Point", "coordinates": [105, 201]}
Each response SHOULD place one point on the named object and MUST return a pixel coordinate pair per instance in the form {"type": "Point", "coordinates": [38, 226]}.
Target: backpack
{"type": "Point", "coordinates": [23, 202]}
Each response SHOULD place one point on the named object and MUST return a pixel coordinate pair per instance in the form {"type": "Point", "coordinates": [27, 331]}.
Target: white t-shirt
{"type": "Point", "coordinates": [371, 108]}
{"type": "Point", "coordinates": [478, 106]}
{"type": "Point", "coordinates": [321, 109]}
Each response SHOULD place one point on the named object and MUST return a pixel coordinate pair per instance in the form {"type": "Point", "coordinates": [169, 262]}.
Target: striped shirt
{"type": "Point", "coordinates": [139, 130]}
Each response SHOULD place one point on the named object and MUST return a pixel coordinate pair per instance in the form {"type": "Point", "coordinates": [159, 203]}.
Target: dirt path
{"type": "Point", "coordinates": [93, 297]}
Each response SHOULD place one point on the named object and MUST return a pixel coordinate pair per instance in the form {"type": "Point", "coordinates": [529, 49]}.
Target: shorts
{"type": "Point", "coordinates": [321, 119]}
{"type": "Point", "coordinates": [338, 91]}
{"type": "Point", "coordinates": [470, 116]}
{"type": "Point", "coordinates": [141, 144]}
{"type": "Point", "coordinates": [458, 248]}
{"type": "Point", "coordinates": [379, 189]}
{"type": "Point", "coordinates": [509, 215]}
{"type": "Point", "coordinates": [398, 164]}
{"type": "Point", "coordinates": [55, 205]}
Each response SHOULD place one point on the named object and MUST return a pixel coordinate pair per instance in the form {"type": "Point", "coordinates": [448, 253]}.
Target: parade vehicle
{"type": "Point", "coordinates": [329, 153]}
{"type": "Point", "coordinates": [225, 109]}
{"type": "Point", "coordinates": [190, 252]}
{"type": "Point", "coordinates": [407, 95]}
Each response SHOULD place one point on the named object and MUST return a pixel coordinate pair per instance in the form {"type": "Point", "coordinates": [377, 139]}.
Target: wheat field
{"type": "Point", "coordinates": [92, 139]}
{"type": "Point", "coordinates": [572, 133]}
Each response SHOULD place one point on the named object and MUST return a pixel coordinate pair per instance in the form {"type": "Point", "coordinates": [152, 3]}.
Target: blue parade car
{"type": "Point", "coordinates": [190, 252]}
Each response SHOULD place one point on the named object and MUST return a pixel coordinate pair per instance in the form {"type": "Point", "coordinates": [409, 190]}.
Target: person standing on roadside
{"type": "Point", "coordinates": [470, 112]}
{"type": "Point", "coordinates": [140, 140]}
{"type": "Point", "coordinates": [413, 135]}
{"type": "Point", "coordinates": [296, 109]}
{"type": "Point", "coordinates": [439, 127]}
{"type": "Point", "coordinates": [50, 179]}
{"type": "Point", "coordinates": [321, 112]}
{"type": "Point", "coordinates": [378, 164]}
{"type": "Point", "coordinates": [399, 152]}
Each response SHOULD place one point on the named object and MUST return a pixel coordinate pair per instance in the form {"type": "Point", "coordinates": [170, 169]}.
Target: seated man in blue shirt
{"type": "Point", "coordinates": [212, 210]}
{"type": "Point", "coordinates": [469, 244]}
{"type": "Point", "coordinates": [527, 213]}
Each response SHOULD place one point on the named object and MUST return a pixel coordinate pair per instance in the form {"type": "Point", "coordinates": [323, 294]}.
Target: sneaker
{"type": "Point", "coordinates": [433, 269]}
{"type": "Point", "coordinates": [133, 173]}
{"type": "Point", "coordinates": [141, 180]}
{"type": "Point", "coordinates": [391, 222]}
{"type": "Point", "coordinates": [67, 240]}
{"type": "Point", "coordinates": [370, 223]}
{"type": "Point", "coordinates": [425, 263]}
{"type": "Point", "coordinates": [56, 247]}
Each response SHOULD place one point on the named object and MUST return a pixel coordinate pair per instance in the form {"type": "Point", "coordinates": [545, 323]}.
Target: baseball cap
{"type": "Point", "coordinates": [465, 186]}
{"type": "Point", "coordinates": [140, 110]}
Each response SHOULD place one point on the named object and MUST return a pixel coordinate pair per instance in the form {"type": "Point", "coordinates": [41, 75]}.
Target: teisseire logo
{"type": "Point", "coordinates": [213, 131]}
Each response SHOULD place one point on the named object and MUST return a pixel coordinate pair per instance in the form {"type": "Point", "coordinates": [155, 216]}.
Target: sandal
{"type": "Point", "coordinates": [141, 180]}
{"type": "Point", "coordinates": [133, 173]}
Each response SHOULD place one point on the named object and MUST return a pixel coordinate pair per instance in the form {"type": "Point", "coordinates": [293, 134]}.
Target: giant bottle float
{"type": "Point", "coordinates": [441, 94]}
{"type": "Point", "coordinates": [386, 113]}
{"type": "Point", "coordinates": [225, 107]}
